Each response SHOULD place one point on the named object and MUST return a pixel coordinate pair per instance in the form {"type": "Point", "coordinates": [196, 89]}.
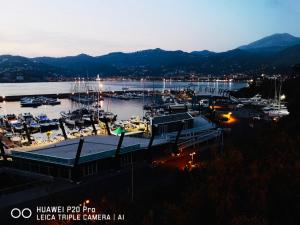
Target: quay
{"type": "Point", "coordinates": [203, 92]}
{"type": "Point", "coordinates": [67, 95]}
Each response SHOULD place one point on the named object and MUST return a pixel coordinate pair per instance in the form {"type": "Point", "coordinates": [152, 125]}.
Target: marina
{"type": "Point", "coordinates": [95, 130]}
{"type": "Point", "coordinates": [146, 112]}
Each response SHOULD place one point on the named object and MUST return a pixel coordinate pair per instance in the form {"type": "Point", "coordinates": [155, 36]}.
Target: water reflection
{"type": "Point", "coordinates": [8, 89]}
{"type": "Point", "coordinates": [124, 109]}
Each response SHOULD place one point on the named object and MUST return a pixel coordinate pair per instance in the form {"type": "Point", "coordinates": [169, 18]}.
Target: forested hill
{"type": "Point", "coordinates": [277, 53]}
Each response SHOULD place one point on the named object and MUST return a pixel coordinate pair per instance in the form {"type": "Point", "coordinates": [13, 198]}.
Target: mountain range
{"type": "Point", "coordinates": [277, 53]}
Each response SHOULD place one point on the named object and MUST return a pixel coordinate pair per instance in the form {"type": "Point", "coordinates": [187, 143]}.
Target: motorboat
{"type": "Point", "coordinates": [51, 101]}
{"type": "Point", "coordinates": [34, 126]}
{"type": "Point", "coordinates": [44, 122]}
{"type": "Point", "coordinates": [54, 123]}
{"type": "Point", "coordinates": [255, 100]}
{"type": "Point", "coordinates": [204, 102]}
{"type": "Point", "coordinates": [10, 117]}
{"type": "Point", "coordinates": [16, 126]}
{"type": "Point", "coordinates": [31, 102]}
{"type": "Point", "coordinates": [30, 121]}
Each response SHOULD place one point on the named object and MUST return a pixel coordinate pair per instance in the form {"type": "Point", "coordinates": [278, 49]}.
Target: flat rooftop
{"type": "Point", "coordinates": [94, 148]}
{"type": "Point", "coordinates": [177, 117]}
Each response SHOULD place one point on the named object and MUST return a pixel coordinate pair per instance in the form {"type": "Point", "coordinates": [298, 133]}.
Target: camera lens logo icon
{"type": "Point", "coordinates": [17, 213]}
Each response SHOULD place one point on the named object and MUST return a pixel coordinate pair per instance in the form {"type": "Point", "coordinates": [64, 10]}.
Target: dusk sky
{"type": "Point", "coordinates": [96, 27]}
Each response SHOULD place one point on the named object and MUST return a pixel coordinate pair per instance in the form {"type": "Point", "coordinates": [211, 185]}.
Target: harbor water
{"type": "Point", "coordinates": [11, 89]}
{"type": "Point", "coordinates": [123, 108]}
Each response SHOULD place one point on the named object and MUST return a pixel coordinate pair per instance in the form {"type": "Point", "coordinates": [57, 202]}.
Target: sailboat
{"type": "Point", "coordinates": [277, 109]}
{"type": "Point", "coordinates": [80, 92]}
{"type": "Point", "coordinates": [98, 78]}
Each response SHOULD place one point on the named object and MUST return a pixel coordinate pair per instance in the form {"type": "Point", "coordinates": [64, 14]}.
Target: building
{"type": "Point", "coordinates": [169, 123]}
{"type": "Point", "coordinates": [96, 154]}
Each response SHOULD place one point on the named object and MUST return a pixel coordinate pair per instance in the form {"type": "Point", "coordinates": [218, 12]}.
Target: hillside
{"type": "Point", "coordinates": [274, 54]}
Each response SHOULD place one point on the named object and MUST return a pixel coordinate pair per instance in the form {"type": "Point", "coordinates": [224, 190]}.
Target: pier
{"type": "Point", "coordinates": [68, 95]}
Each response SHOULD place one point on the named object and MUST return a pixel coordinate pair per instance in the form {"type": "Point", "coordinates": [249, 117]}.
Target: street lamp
{"type": "Point", "coordinates": [192, 155]}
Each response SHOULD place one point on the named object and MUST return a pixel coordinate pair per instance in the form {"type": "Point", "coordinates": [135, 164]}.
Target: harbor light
{"type": "Point", "coordinates": [3, 97]}
{"type": "Point", "coordinates": [228, 118]}
{"type": "Point", "coordinates": [282, 97]}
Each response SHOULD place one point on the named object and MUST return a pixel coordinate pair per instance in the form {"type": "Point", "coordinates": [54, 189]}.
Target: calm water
{"type": "Point", "coordinates": [10, 89]}
{"type": "Point", "coordinates": [124, 109]}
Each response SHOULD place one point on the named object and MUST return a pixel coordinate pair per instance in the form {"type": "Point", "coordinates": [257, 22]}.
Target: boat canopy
{"type": "Point", "coordinates": [118, 131]}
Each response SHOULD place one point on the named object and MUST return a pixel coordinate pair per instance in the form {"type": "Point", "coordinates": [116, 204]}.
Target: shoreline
{"type": "Point", "coordinates": [211, 80]}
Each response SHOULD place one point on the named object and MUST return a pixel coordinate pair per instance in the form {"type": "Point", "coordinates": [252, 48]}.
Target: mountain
{"type": "Point", "coordinates": [278, 53]}
{"type": "Point", "coordinates": [203, 53]}
{"type": "Point", "coordinates": [288, 56]}
{"type": "Point", "coordinates": [72, 64]}
{"type": "Point", "coordinates": [13, 68]}
{"type": "Point", "coordinates": [152, 58]}
{"type": "Point", "coordinates": [272, 43]}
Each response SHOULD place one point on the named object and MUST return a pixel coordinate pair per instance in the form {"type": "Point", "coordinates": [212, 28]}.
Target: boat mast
{"type": "Point", "coordinates": [143, 96]}
{"type": "Point", "coordinates": [275, 94]}
{"type": "Point", "coordinates": [99, 90]}
{"type": "Point", "coordinates": [279, 94]}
